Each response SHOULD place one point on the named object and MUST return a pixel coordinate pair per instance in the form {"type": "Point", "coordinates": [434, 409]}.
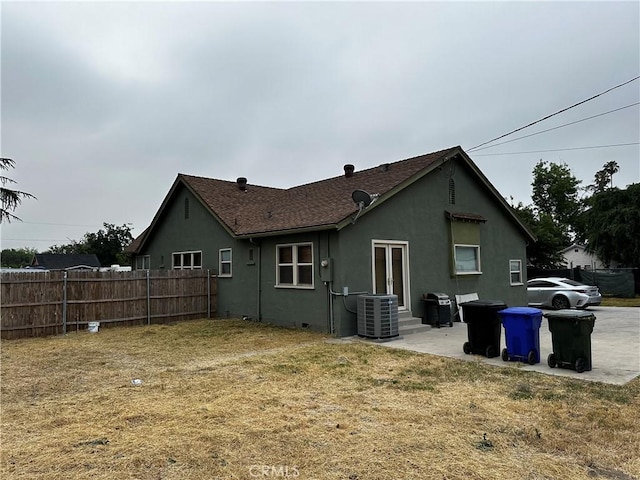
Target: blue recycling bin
{"type": "Point", "coordinates": [522, 334]}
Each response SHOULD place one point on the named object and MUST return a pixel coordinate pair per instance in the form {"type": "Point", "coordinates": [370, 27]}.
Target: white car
{"type": "Point", "coordinates": [559, 293]}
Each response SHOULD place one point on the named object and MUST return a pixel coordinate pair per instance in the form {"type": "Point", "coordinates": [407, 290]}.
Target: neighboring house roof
{"type": "Point", "coordinates": [327, 204]}
{"type": "Point", "coordinates": [572, 247]}
{"type": "Point", "coordinates": [65, 261]}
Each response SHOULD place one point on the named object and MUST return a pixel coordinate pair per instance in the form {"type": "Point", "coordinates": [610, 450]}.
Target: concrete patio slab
{"type": "Point", "coordinates": [615, 346]}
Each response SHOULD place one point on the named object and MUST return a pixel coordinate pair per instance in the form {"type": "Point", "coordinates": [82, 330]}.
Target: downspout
{"type": "Point", "coordinates": [259, 280]}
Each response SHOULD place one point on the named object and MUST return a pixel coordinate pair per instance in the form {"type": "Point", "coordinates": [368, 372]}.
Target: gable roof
{"type": "Point", "coordinates": [326, 204]}
{"type": "Point", "coordinates": [65, 261]}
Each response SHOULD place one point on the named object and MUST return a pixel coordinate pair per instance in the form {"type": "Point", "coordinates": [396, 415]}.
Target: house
{"type": "Point", "coordinates": [577, 255]}
{"type": "Point", "coordinates": [65, 261]}
{"type": "Point", "coordinates": [299, 256]}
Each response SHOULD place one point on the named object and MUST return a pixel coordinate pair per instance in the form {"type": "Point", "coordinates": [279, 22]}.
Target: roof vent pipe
{"type": "Point", "coordinates": [348, 170]}
{"type": "Point", "coordinates": [242, 183]}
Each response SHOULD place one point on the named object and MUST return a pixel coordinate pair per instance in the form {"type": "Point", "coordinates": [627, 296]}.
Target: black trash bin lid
{"type": "Point", "coordinates": [571, 315]}
{"type": "Point", "coordinates": [484, 304]}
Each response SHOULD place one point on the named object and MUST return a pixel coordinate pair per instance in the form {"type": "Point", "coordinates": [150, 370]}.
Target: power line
{"type": "Point", "coordinates": [559, 149]}
{"type": "Point", "coordinates": [59, 224]}
{"type": "Point", "coordinates": [34, 240]}
{"type": "Point", "coordinates": [554, 114]}
{"type": "Point", "coordinates": [559, 126]}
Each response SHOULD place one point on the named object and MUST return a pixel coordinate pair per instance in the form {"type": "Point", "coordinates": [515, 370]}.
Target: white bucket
{"type": "Point", "coordinates": [93, 327]}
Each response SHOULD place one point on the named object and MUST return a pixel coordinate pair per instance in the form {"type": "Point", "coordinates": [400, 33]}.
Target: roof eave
{"type": "Point", "coordinates": [288, 231]}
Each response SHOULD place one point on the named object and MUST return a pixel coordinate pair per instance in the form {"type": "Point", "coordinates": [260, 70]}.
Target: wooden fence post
{"type": "Point", "coordinates": [148, 298]}
{"type": "Point", "coordinates": [208, 293]}
{"type": "Point", "coordinates": [64, 304]}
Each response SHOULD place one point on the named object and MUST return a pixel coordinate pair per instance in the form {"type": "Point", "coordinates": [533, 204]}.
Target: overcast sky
{"type": "Point", "coordinates": [103, 104]}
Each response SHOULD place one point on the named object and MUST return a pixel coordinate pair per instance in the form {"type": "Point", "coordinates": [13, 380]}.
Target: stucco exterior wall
{"type": "Point", "coordinates": [417, 215]}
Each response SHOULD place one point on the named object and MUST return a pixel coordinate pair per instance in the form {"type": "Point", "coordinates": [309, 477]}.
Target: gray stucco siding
{"type": "Point", "coordinates": [294, 306]}
{"type": "Point", "coordinates": [417, 215]}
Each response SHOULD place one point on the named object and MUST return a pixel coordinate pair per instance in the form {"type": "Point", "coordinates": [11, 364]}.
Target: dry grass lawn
{"type": "Point", "coordinates": [226, 399]}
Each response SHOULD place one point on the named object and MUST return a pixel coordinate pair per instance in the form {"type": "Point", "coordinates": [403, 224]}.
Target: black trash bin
{"type": "Point", "coordinates": [483, 327]}
{"type": "Point", "coordinates": [571, 339]}
{"type": "Point", "coordinates": [437, 310]}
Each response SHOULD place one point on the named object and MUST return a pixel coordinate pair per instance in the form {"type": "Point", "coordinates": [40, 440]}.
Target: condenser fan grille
{"type": "Point", "coordinates": [378, 316]}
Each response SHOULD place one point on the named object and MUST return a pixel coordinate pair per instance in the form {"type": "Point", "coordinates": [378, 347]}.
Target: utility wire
{"type": "Point", "coordinates": [559, 126]}
{"type": "Point", "coordinates": [554, 114]}
{"type": "Point", "coordinates": [559, 149]}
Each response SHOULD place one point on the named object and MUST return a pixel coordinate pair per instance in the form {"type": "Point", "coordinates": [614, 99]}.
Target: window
{"type": "Point", "coordinates": [143, 262]}
{"type": "Point", "coordinates": [295, 265]}
{"type": "Point", "coordinates": [186, 260]}
{"type": "Point", "coordinates": [515, 272]}
{"type": "Point", "coordinates": [225, 262]}
{"type": "Point", "coordinates": [467, 259]}
{"type": "Point", "coordinates": [465, 242]}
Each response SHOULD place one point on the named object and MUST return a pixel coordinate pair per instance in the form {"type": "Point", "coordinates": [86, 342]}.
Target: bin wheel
{"type": "Point", "coordinates": [450, 323]}
{"type": "Point", "coordinates": [560, 302]}
{"type": "Point", "coordinates": [505, 355]}
{"type": "Point", "coordinates": [531, 358]}
{"type": "Point", "coordinates": [581, 365]}
{"type": "Point", "coordinates": [551, 360]}
{"type": "Point", "coordinates": [466, 348]}
{"type": "Point", "coordinates": [491, 351]}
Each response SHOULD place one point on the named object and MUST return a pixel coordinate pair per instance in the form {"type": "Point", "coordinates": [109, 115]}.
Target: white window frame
{"type": "Point", "coordinates": [222, 262]}
{"type": "Point", "coordinates": [478, 271]}
{"type": "Point", "coordinates": [517, 271]}
{"type": "Point", "coordinates": [183, 255]}
{"type": "Point", "coordinates": [295, 264]}
{"type": "Point", "coordinates": [143, 262]}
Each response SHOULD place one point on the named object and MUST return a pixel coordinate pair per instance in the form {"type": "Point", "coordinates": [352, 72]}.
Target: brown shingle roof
{"type": "Point", "coordinates": [326, 203]}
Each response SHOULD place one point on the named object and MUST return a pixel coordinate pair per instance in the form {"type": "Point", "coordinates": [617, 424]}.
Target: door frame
{"type": "Point", "coordinates": [405, 268]}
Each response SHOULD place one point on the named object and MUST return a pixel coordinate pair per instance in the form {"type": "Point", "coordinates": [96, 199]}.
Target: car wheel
{"type": "Point", "coordinates": [551, 360]}
{"type": "Point", "coordinates": [560, 302]}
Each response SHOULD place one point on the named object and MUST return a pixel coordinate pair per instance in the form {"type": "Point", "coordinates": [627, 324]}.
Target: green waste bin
{"type": "Point", "coordinates": [571, 339]}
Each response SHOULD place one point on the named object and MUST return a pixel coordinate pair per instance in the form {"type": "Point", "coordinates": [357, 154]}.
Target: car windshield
{"type": "Point", "coordinates": [568, 281]}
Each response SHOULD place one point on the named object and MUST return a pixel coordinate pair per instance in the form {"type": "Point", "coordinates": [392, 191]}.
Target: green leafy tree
{"type": "Point", "coordinates": [545, 252]}
{"type": "Point", "coordinates": [17, 257]}
{"type": "Point", "coordinates": [556, 194]}
{"type": "Point", "coordinates": [554, 215]}
{"type": "Point", "coordinates": [612, 225]}
{"type": "Point", "coordinates": [108, 244]}
{"type": "Point", "coordinates": [604, 178]}
{"type": "Point", "coordinates": [9, 199]}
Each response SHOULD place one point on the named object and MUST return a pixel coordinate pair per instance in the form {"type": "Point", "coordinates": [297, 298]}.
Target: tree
{"type": "Point", "coordinates": [554, 215]}
{"type": "Point", "coordinates": [556, 194]}
{"type": "Point", "coordinates": [9, 199]}
{"type": "Point", "coordinates": [604, 177]}
{"type": "Point", "coordinates": [16, 258]}
{"type": "Point", "coordinates": [545, 253]}
{"type": "Point", "coordinates": [107, 244]}
{"type": "Point", "coordinates": [612, 225]}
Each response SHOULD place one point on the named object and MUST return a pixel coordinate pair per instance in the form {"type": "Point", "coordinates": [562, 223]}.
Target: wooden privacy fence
{"type": "Point", "coordinates": [50, 303]}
